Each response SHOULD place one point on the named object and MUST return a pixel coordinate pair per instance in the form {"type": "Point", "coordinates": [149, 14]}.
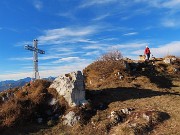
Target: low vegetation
{"type": "Point", "coordinates": [126, 98]}
{"type": "Point", "coordinates": [30, 103]}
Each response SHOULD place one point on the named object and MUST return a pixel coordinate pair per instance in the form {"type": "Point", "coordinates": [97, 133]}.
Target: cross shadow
{"type": "Point", "coordinates": [100, 99]}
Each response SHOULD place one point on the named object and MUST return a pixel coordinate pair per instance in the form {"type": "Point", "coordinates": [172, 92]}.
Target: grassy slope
{"type": "Point", "coordinates": [140, 94]}
{"type": "Point", "coordinates": [146, 96]}
{"type": "Point", "coordinates": [162, 101]}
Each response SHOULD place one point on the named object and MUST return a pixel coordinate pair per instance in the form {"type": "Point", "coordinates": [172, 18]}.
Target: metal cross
{"type": "Point", "coordinates": [35, 57]}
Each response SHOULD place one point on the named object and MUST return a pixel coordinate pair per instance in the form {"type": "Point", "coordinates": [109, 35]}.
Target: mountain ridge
{"type": "Point", "coordinates": [7, 84]}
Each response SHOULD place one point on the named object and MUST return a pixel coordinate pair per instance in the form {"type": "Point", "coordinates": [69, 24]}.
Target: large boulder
{"type": "Point", "coordinates": [71, 87]}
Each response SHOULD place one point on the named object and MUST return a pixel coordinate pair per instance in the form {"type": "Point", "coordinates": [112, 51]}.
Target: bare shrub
{"type": "Point", "coordinates": [111, 56]}
{"type": "Point", "coordinates": [107, 63]}
{"type": "Point", "coordinates": [109, 67]}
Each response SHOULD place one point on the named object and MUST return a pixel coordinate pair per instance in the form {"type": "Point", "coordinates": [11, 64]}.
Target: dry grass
{"type": "Point", "coordinates": [155, 93]}
{"type": "Point", "coordinates": [140, 90]}
{"type": "Point", "coordinates": [99, 73]}
{"type": "Point", "coordinates": [29, 103]}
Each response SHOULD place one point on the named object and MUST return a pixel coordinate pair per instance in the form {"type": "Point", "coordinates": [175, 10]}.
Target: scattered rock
{"type": "Point", "coordinates": [53, 101]}
{"type": "Point", "coordinates": [70, 119]}
{"type": "Point", "coordinates": [173, 58]}
{"type": "Point", "coordinates": [146, 117]}
{"type": "Point", "coordinates": [167, 60]}
{"type": "Point", "coordinates": [115, 117]}
{"type": "Point", "coordinates": [40, 120]}
{"type": "Point", "coordinates": [121, 77]}
{"type": "Point", "coordinates": [127, 110]}
{"type": "Point", "coordinates": [175, 70]}
{"type": "Point", "coordinates": [119, 116]}
{"type": "Point", "coordinates": [138, 122]}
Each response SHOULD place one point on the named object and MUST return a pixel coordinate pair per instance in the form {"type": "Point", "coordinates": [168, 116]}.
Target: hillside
{"type": "Point", "coordinates": [144, 97]}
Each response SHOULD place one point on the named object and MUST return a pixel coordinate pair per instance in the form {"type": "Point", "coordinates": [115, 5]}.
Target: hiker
{"type": "Point", "coordinates": [147, 52]}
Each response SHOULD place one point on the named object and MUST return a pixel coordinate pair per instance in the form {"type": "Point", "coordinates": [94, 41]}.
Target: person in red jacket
{"type": "Point", "coordinates": [147, 52]}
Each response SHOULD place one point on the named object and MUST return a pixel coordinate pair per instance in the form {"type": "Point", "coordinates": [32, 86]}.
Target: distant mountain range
{"type": "Point", "coordinates": [4, 85]}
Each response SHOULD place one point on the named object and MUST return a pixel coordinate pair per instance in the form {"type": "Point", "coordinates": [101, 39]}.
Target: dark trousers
{"type": "Point", "coordinates": [148, 55]}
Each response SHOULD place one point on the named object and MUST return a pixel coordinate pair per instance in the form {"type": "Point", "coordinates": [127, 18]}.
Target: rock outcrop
{"type": "Point", "coordinates": [71, 87]}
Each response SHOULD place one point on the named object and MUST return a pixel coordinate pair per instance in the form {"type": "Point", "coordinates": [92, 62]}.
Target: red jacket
{"type": "Point", "coordinates": [147, 51]}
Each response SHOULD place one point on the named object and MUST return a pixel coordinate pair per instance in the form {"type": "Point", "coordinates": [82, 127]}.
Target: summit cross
{"type": "Point", "coordinates": [35, 57]}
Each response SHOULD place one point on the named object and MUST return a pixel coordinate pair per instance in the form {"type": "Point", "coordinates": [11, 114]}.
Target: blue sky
{"type": "Point", "coordinates": [75, 33]}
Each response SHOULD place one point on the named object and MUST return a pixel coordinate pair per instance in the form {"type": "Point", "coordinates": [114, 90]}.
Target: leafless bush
{"type": "Point", "coordinates": [112, 55]}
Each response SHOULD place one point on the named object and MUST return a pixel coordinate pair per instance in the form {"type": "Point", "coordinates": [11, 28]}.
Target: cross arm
{"type": "Point", "coordinates": [40, 51]}
{"type": "Point", "coordinates": [31, 48]}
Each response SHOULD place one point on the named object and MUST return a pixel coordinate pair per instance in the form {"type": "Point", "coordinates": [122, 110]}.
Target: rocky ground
{"type": "Point", "coordinates": [125, 98]}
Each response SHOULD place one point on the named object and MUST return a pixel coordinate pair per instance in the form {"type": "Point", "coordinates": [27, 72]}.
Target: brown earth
{"type": "Point", "coordinates": [150, 88]}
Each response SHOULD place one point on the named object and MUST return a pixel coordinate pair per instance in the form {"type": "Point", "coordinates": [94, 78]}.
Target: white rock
{"type": "Point", "coordinates": [70, 119]}
{"type": "Point", "coordinates": [53, 101]}
{"type": "Point", "coordinates": [126, 110]}
{"type": "Point", "coordinates": [167, 60]}
{"type": "Point", "coordinates": [113, 113]}
{"type": "Point", "coordinates": [146, 117]}
{"type": "Point", "coordinates": [71, 87]}
{"type": "Point", "coordinates": [3, 99]}
{"type": "Point", "coordinates": [120, 77]}
{"type": "Point", "coordinates": [173, 58]}
{"type": "Point", "coordinates": [175, 69]}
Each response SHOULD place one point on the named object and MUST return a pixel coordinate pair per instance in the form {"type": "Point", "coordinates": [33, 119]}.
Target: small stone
{"type": "Point", "coordinates": [3, 99]}
{"type": "Point", "coordinates": [40, 120]}
{"type": "Point", "coordinates": [53, 101]}
{"type": "Point", "coordinates": [127, 110]}
{"type": "Point", "coordinates": [175, 69]}
{"type": "Point", "coordinates": [173, 59]}
{"type": "Point", "coordinates": [85, 103]}
{"type": "Point", "coordinates": [146, 117]}
{"type": "Point", "coordinates": [70, 119]}
{"type": "Point", "coordinates": [113, 113]}
{"type": "Point", "coordinates": [167, 60]}
{"type": "Point", "coordinates": [120, 77]}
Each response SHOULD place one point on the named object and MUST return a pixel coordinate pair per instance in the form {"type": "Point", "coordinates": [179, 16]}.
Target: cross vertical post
{"type": "Point", "coordinates": [35, 50]}
{"type": "Point", "coordinates": [35, 57]}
